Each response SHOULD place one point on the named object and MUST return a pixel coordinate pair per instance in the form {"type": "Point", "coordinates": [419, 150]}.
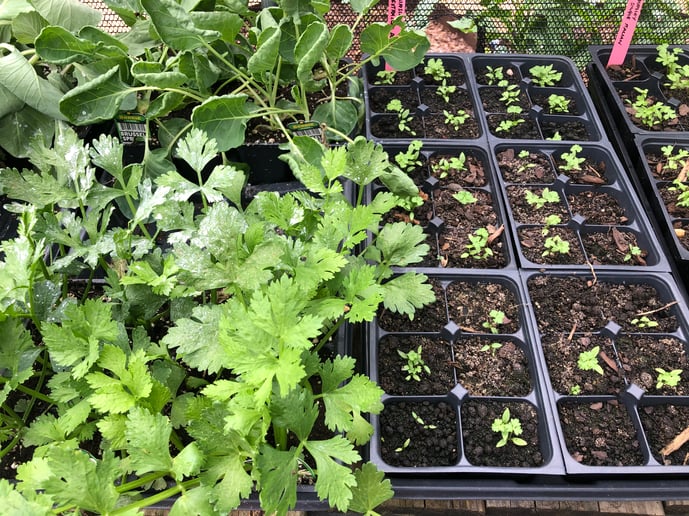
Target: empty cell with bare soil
{"type": "Point", "coordinates": [415, 365]}
{"type": "Point", "coordinates": [666, 426]}
{"type": "Point", "coordinates": [483, 307]}
{"type": "Point", "coordinates": [430, 318]}
{"type": "Point", "coordinates": [643, 355]}
{"type": "Point", "coordinates": [600, 433]}
{"type": "Point", "coordinates": [597, 207]}
{"type": "Point", "coordinates": [571, 373]}
{"type": "Point", "coordinates": [491, 367]}
{"type": "Point", "coordinates": [419, 434]}
{"type": "Point", "coordinates": [482, 436]}
{"type": "Point", "coordinates": [561, 302]}
{"type": "Point", "coordinates": [525, 166]}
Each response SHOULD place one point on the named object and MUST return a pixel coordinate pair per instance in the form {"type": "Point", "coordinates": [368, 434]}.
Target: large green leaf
{"type": "Point", "coordinates": [341, 38]}
{"type": "Point", "coordinates": [27, 26]}
{"type": "Point", "coordinates": [58, 45]}
{"type": "Point", "coordinates": [70, 14]}
{"type": "Point", "coordinates": [223, 118]}
{"type": "Point", "coordinates": [97, 100]}
{"type": "Point", "coordinates": [19, 77]}
{"type": "Point", "coordinates": [16, 126]}
{"type": "Point", "coordinates": [126, 9]}
{"type": "Point", "coordinates": [9, 102]}
{"type": "Point", "coordinates": [267, 52]}
{"type": "Point", "coordinates": [363, 6]}
{"type": "Point", "coordinates": [340, 114]}
{"type": "Point", "coordinates": [9, 9]}
{"type": "Point", "coordinates": [310, 48]}
{"type": "Point", "coordinates": [402, 52]}
{"type": "Point", "coordinates": [227, 24]}
{"type": "Point", "coordinates": [175, 26]}
{"type": "Point", "coordinates": [152, 74]}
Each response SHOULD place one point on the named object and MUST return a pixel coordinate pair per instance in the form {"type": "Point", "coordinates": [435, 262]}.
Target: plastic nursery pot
{"type": "Point", "coordinates": [617, 87]}
{"type": "Point", "coordinates": [518, 102]}
{"type": "Point", "coordinates": [477, 362]}
{"type": "Point", "coordinates": [433, 108]}
{"type": "Point", "coordinates": [658, 173]}
{"type": "Point", "coordinates": [603, 351]}
{"type": "Point", "coordinates": [562, 218]}
{"type": "Point", "coordinates": [462, 212]}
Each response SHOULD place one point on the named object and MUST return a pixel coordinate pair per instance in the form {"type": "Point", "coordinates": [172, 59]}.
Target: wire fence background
{"type": "Point", "coordinates": [559, 27]}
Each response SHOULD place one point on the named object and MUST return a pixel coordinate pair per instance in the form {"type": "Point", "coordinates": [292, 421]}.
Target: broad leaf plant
{"type": "Point", "coordinates": [168, 339]}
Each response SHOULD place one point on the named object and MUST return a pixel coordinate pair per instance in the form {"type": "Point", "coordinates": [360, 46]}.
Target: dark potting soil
{"type": "Point", "coordinates": [527, 129]}
{"type": "Point", "coordinates": [480, 441]}
{"type": "Point", "coordinates": [562, 350]}
{"type": "Point", "coordinates": [526, 213]}
{"type": "Point", "coordinates": [435, 352]}
{"type": "Point", "coordinates": [490, 99]}
{"type": "Point", "coordinates": [600, 433]}
{"type": "Point", "coordinates": [436, 127]}
{"type": "Point", "coordinates": [534, 168]}
{"type": "Point", "coordinates": [429, 439]}
{"type": "Point", "coordinates": [484, 369]}
{"type": "Point", "coordinates": [510, 74]}
{"type": "Point", "coordinates": [573, 130]}
{"type": "Point", "coordinates": [470, 303]}
{"type": "Point", "coordinates": [612, 247]}
{"type": "Point", "coordinates": [662, 424]}
{"type": "Point", "coordinates": [597, 207]}
{"type": "Point", "coordinates": [564, 304]}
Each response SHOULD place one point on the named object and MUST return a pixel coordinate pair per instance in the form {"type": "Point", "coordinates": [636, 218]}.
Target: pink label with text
{"type": "Point", "coordinates": [624, 35]}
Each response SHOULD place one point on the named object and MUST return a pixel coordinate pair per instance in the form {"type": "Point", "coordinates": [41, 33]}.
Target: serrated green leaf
{"type": "Point", "coordinates": [297, 411]}
{"type": "Point", "coordinates": [148, 441]}
{"type": "Point", "coordinates": [43, 430]}
{"type": "Point", "coordinates": [197, 149]}
{"type": "Point", "coordinates": [406, 293]}
{"type": "Point", "coordinates": [335, 480]}
{"type": "Point", "coordinates": [366, 161]}
{"type": "Point", "coordinates": [372, 489]}
{"type": "Point", "coordinates": [231, 482]}
{"type": "Point", "coordinates": [194, 502]}
{"type": "Point", "coordinates": [14, 504]}
{"type": "Point", "coordinates": [400, 244]}
{"type": "Point", "coordinates": [196, 339]}
{"type": "Point", "coordinates": [344, 405]}
{"type": "Point", "coordinates": [188, 462]}
{"type": "Point", "coordinates": [278, 479]}
{"type": "Point", "coordinates": [362, 292]}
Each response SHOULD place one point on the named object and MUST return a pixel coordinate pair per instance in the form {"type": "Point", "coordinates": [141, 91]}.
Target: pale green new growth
{"type": "Point", "coordinates": [588, 360]}
{"type": "Point", "coordinates": [509, 429]}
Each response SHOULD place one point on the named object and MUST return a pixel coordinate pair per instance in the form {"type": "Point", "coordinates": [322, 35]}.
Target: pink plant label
{"type": "Point", "coordinates": [626, 32]}
{"type": "Point", "coordinates": [395, 8]}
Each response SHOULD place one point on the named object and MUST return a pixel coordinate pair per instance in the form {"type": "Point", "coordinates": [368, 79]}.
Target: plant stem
{"type": "Point", "coordinates": [158, 497]}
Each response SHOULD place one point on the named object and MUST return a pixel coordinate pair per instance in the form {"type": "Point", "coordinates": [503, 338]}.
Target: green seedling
{"type": "Point", "coordinates": [509, 429]}
{"type": "Point", "coordinates": [457, 163]}
{"type": "Point", "coordinates": [510, 95]}
{"type": "Point", "coordinates": [650, 112]}
{"type": "Point", "coordinates": [524, 154]}
{"type": "Point", "coordinates": [385, 77]}
{"type": "Point", "coordinates": [456, 120]}
{"type": "Point", "coordinates": [506, 126]}
{"type": "Point", "coordinates": [674, 160]}
{"type": "Point", "coordinates": [555, 137]}
{"type": "Point", "coordinates": [436, 69]}
{"type": "Point", "coordinates": [493, 347]}
{"type": "Point", "coordinates": [496, 76]}
{"type": "Point", "coordinates": [682, 193]}
{"type": "Point", "coordinates": [478, 245]}
{"type": "Point", "coordinates": [404, 116]}
{"type": "Point", "coordinates": [545, 75]}
{"type": "Point", "coordinates": [495, 319]}
{"type": "Point", "coordinates": [404, 446]}
{"type": "Point", "coordinates": [445, 90]}
{"type": "Point", "coordinates": [558, 103]}
{"type": "Point", "coordinates": [572, 160]}
{"type": "Point", "coordinates": [644, 322]}
{"type": "Point", "coordinates": [588, 360]}
{"type": "Point", "coordinates": [669, 378]}
{"type": "Point", "coordinates": [550, 220]}
{"type": "Point", "coordinates": [677, 74]}
{"type": "Point", "coordinates": [634, 252]}
{"type": "Point", "coordinates": [409, 159]}
{"type": "Point", "coordinates": [421, 422]}
{"type": "Point", "coordinates": [547, 196]}
{"type": "Point", "coordinates": [415, 364]}
{"type": "Point", "coordinates": [555, 245]}
{"type": "Point", "coordinates": [575, 390]}
{"type": "Point", "coordinates": [464, 197]}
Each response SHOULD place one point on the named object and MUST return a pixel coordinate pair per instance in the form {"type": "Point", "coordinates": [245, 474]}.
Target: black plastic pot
{"type": "Point", "coordinates": [656, 188]}
{"type": "Point", "coordinates": [455, 402]}
{"type": "Point", "coordinates": [579, 123]}
{"type": "Point", "coordinates": [648, 74]}
{"type": "Point", "coordinates": [585, 238]}
{"type": "Point", "coordinates": [626, 405]}
{"type": "Point", "coordinates": [448, 235]}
